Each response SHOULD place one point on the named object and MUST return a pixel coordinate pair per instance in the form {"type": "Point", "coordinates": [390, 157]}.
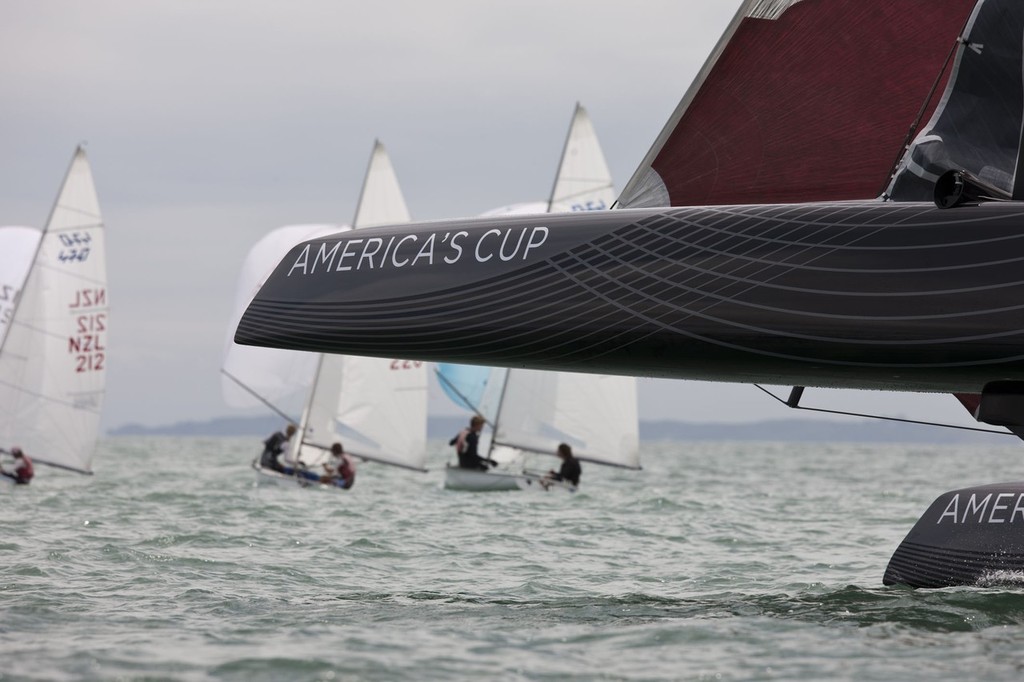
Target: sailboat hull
{"type": "Point", "coordinates": [270, 477]}
{"type": "Point", "coordinates": [860, 294]}
{"type": "Point", "coordinates": [474, 480]}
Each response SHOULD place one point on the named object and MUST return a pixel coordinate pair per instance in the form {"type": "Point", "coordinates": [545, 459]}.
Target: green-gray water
{"type": "Point", "coordinates": [717, 561]}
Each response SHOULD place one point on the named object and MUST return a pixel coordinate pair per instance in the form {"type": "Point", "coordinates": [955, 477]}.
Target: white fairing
{"type": "Point", "coordinates": [525, 208]}
{"type": "Point", "coordinates": [377, 409]}
{"type": "Point", "coordinates": [17, 250]}
{"type": "Point", "coordinates": [381, 201]}
{"type": "Point", "coordinates": [53, 362]}
{"type": "Point", "coordinates": [596, 415]}
{"type": "Point", "coordinates": [278, 376]}
{"type": "Point", "coordinates": [583, 182]}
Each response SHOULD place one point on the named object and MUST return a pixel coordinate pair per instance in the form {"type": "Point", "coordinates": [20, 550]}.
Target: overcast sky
{"type": "Point", "coordinates": [211, 122]}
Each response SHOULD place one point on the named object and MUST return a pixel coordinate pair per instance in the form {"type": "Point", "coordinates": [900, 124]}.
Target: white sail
{"type": "Point", "coordinates": [18, 247]}
{"type": "Point", "coordinates": [583, 181]}
{"type": "Point", "coordinates": [269, 374]}
{"type": "Point", "coordinates": [524, 208]}
{"type": "Point", "coordinates": [380, 201]}
{"type": "Point", "coordinates": [596, 415]}
{"type": "Point", "coordinates": [376, 408]}
{"type": "Point", "coordinates": [53, 362]}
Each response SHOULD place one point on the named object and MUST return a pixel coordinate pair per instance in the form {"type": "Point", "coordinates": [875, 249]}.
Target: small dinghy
{"type": "Point", "coordinates": [375, 407]}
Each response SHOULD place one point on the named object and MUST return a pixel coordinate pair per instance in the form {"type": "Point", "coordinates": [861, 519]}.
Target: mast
{"type": "Point", "coordinates": [497, 415]}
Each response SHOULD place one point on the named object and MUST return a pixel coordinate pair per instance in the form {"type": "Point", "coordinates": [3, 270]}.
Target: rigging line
{"type": "Point", "coordinates": [912, 131]}
{"type": "Point", "coordinates": [882, 417]}
{"type": "Point", "coordinates": [256, 395]}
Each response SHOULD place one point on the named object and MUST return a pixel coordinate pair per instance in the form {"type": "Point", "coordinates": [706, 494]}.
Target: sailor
{"type": "Point", "coordinates": [570, 469]}
{"type": "Point", "coordinates": [340, 468]}
{"type": "Point", "coordinates": [274, 446]}
{"type": "Point", "coordinates": [466, 443]}
{"type": "Point", "coordinates": [23, 471]}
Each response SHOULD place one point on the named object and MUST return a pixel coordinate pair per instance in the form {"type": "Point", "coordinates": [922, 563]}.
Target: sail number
{"type": "Point", "coordinates": [75, 246]}
{"type": "Point", "coordinates": [593, 205]}
{"type": "Point", "coordinates": [405, 364]}
{"type": "Point", "coordinates": [86, 344]}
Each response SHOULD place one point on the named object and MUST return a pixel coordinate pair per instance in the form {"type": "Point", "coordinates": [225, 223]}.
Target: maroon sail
{"type": "Point", "coordinates": [802, 100]}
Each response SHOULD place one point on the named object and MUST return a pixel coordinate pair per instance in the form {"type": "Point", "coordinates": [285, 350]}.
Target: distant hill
{"type": "Point", "coordinates": [785, 430]}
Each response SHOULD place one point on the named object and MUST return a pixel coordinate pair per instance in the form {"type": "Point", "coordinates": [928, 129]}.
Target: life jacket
{"type": "Point", "coordinates": [347, 471]}
{"type": "Point", "coordinates": [25, 471]}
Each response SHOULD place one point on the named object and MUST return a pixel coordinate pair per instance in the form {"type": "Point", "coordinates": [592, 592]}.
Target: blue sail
{"type": "Point", "coordinates": [464, 384]}
{"type": "Point", "coordinates": [472, 387]}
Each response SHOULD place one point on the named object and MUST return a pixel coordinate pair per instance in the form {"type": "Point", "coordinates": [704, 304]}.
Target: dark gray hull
{"type": "Point", "coordinates": [973, 536]}
{"type": "Point", "coordinates": [862, 295]}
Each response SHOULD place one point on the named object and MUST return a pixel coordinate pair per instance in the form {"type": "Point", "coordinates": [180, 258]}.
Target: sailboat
{"type": "Point", "coordinates": [375, 407]}
{"type": "Point", "coordinates": [53, 358]}
{"type": "Point", "coordinates": [530, 411]}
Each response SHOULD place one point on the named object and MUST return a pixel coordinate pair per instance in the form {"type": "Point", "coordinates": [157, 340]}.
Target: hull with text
{"type": "Point", "coordinates": [860, 294]}
{"type": "Point", "coordinates": [970, 536]}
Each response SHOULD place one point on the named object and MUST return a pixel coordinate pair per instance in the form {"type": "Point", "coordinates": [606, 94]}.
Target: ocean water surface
{"type": "Point", "coordinates": [731, 561]}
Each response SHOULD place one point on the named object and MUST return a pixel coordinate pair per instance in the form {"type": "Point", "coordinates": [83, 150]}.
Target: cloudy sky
{"type": "Point", "coordinates": [211, 122]}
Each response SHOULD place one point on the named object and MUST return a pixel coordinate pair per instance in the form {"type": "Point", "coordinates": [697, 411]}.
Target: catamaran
{"type": "Point", "coordinates": [53, 357]}
{"type": "Point", "coordinates": [821, 212]}
{"type": "Point", "coordinates": [375, 407]}
{"type": "Point", "coordinates": [531, 412]}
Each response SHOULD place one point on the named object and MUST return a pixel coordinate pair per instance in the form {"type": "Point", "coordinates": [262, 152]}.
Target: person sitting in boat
{"type": "Point", "coordinates": [274, 446]}
{"type": "Point", "coordinates": [466, 443]}
{"type": "Point", "coordinates": [23, 471]}
{"type": "Point", "coordinates": [570, 469]}
{"type": "Point", "coordinates": [340, 468]}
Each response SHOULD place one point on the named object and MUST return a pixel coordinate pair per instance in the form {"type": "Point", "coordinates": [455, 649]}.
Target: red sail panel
{"type": "Point", "coordinates": [814, 105]}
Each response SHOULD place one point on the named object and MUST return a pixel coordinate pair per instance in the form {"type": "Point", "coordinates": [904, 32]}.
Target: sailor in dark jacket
{"type": "Point", "coordinates": [274, 446]}
{"type": "Point", "coordinates": [466, 444]}
{"type": "Point", "coordinates": [570, 469]}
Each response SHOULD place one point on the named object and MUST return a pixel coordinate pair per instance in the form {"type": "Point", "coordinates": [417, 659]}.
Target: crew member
{"type": "Point", "coordinates": [274, 446]}
{"type": "Point", "coordinates": [466, 443]}
{"type": "Point", "coordinates": [340, 468]}
{"type": "Point", "coordinates": [23, 470]}
{"type": "Point", "coordinates": [570, 469]}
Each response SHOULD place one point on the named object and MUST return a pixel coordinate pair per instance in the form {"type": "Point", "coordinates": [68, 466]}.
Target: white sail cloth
{"type": "Point", "coordinates": [276, 376]}
{"type": "Point", "coordinates": [17, 251]}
